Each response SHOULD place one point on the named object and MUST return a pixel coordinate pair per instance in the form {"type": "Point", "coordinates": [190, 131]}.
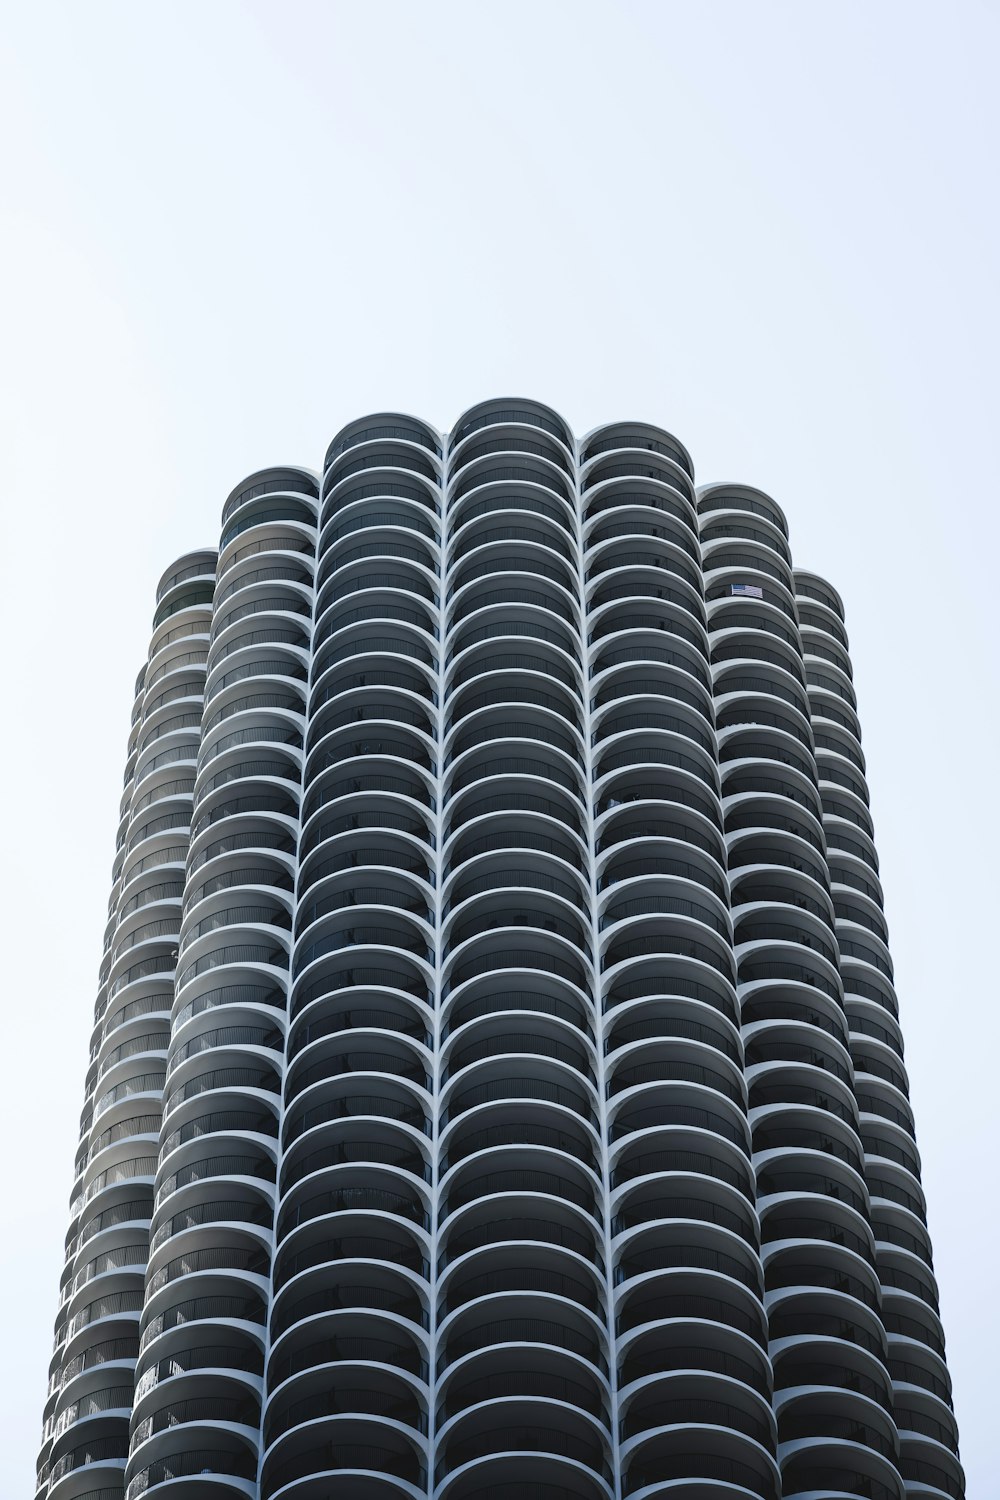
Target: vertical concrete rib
{"type": "Point", "coordinates": [348, 1370]}
{"type": "Point", "coordinates": [523, 1396]}
{"type": "Point", "coordinates": [97, 1336]}
{"type": "Point", "coordinates": [693, 1378]}
{"type": "Point", "coordinates": [828, 1346]}
{"type": "Point", "coordinates": [199, 1377]}
{"type": "Point", "coordinates": [921, 1386]}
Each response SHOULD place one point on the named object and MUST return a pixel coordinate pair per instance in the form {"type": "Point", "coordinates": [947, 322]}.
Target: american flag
{"type": "Point", "coordinates": [750, 589]}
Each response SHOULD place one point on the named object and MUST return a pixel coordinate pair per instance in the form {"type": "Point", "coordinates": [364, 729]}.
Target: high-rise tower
{"type": "Point", "coordinates": [496, 1085]}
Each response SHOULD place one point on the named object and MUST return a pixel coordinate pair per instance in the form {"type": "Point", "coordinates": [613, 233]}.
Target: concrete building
{"type": "Point", "coordinates": [496, 1086]}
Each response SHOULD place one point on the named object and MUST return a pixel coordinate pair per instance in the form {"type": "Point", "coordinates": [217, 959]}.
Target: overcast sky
{"type": "Point", "coordinates": [226, 229]}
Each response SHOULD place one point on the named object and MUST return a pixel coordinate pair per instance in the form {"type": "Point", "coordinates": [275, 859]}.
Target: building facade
{"type": "Point", "coordinates": [496, 1085]}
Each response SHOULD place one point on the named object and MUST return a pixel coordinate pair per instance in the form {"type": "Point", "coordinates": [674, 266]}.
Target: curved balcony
{"type": "Point", "coordinates": [544, 1146]}
{"type": "Point", "coordinates": [381, 729]}
{"type": "Point", "coordinates": [356, 536]}
{"type": "Point", "coordinates": [677, 1397]}
{"type": "Point", "coordinates": [382, 426]}
{"type": "Point", "coordinates": [841, 1468]}
{"type": "Point", "coordinates": [293, 481]}
{"type": "Point", "coordinates": [376, 581]}
{"type": "Point", "coordinates": [523, 785]}
{"type": "Point", "coordinates": [507, 1168]}
{"type": "Point", "coordinates": [358, 1050]}
{"type": "Point", "coordinates": [636, 552]}
{"type": "Point", "coordinates": [332, 780]}
{"type": "Point", "coordinates": [362, 1191]}
{"type": "Point", "coordinates": [542, 991]}
{"type": "Point", "coordinates": [518, 581]}
{"type": "Point", "coordinates": [512, 411]}
{"type": "Point", "coordinates": [830, 1312]}
{"type": "Point", "coordinates": [642, 1208]}
{"type": "Point", "coordinates": [384, 472]}
{"type": "Point", "coordinates": [519, 1317]}
{"type": "Point", "coordinates": [343, 1142]}
{"type": "Point", "coordinates": [542, 754]}
{"type": "Point", "coordinates": [288, 539]}
{"type": "Point", "coordinates": [193, 594]}
{"type": "Point", "coordinates": [519, 1263]}
{"type": "Point", "coordinates": [495, 1428]}
{"type": "Point", "coordinates": [192, 1398]}
{"type": "Point", "coordinates": [347, 1450]}
{"type": "Point", "coordinates": [936, 1470]}
{"type": "Point", "coordinates": [386, 537]}
{"type": "Point", "coordinates": [521, 563]}
{"type": "Point", "coordinates": [363, 1389]}
{"type": "Point", "coordinates": [363, 818]}
{"type": "Point", "coordinates": [540, 482]}
{"type": "Point", "coordinates": [760, 530]}
{"type": "Point", "coordinates": [636, 437]}
{"type": "Point", "coordinates": [198, 564]}
{"type": "Point", "coordinates": [389, 1346]}
{"type": "Point", "coordinates": [812, 587]}
{"type": "Point", "coordinates": [643, 582]}
{"type": "Point", "coordinates": [263, 586]}
{"type": "Point", "coordinates": [820, 649]}
{"type": "Point", "coordinates": [509, 437]}
{"type": "Point", "coordinates": [377, 694]}
{"type": "Point", "coordinates": [498, 907]}
{"type": "Point", "coordinates": [354, 1227]}
{"type": "Point", "coordinates": [386, 453]}
{"type": "Point", "coordinates": [277, 510]}
{"type": "Point", "coordinates": [683, 1229]}
{"type": "Point", "coordinates": [689, 1345]}
{"type": "Point", "coordinates": [518, 695]}
{"type": "Point", "coordinates": [731, 644]}
{"type": "Point", "coordinates": [94, 1466]}
{"type": "Point", "coordinates": [543, 1059]}
{"type": "Point", "coordinates": [635, 507]}
{"type": "Point", "coordinates": [818, 1413]}
{"type": "Point", "coordinates": [506, 502]}
{"type": "Point", "coordinates": [737, 499]}
{"type": "Point", "coordinates": [509, 875]}
{"type": "Point", "coordinates": [379, 672]}
{"type": "Point", "coordinates": [267, 732]}
{"type": "Point", "coordinates": [490, 723]}
{"type": "Point", "coordinates": [379, 1224]}
{"type": "Point", "coordinates": [238, 646]}
{"type": "Point", "coordinates": [90, 1431]}
{"type": "Point", "coordinates": [238, 875]}
{"type": "Point", "coordinates": [703, 1456]}
{"type": "Point", "coordinates": [376, 611]}
{"type": "Point", "coordinates": [500, 623]}
{"type": "Point", "coordinates": [326, 1296]}
{"type": "Point", "coordinates": [221, 1454]}
{"type": "Point", "coordinates": [637, 627]}
{"type": "Point", "coordinates": [639, 470]}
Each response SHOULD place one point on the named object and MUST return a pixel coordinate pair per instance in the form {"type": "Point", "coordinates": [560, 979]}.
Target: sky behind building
{"type": "Point", "coordinates": [226, 230]}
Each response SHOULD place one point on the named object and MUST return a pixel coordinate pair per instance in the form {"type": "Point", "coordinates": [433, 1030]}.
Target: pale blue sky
{"type": "Point", "coordinates": [226, 229]}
